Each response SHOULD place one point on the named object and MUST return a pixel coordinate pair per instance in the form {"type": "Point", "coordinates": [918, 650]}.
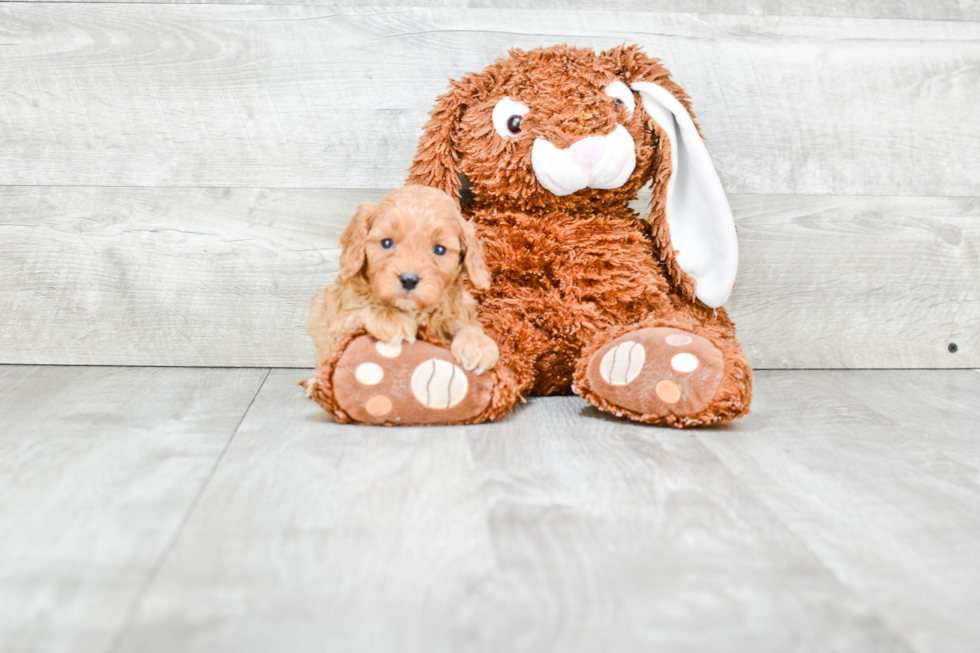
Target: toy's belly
{"type": "Point", "coordinates": [606, 261]}
{"type": "Point", "coordinates": [570, 279]}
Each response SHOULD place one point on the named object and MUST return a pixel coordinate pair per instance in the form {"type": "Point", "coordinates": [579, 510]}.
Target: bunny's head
{"type": "Point", "coordinates": [567, 129]}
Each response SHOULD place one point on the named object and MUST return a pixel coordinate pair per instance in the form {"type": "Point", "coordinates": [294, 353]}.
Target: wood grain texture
{"type": "Point", "coordinates": [877, 472]}
{"type": "Point", "coordinates": [346, 539]}
{"type": "Point", "coordinates": [165, 276]}
{"type": "Point", "coordinates": [98, 469]}
{"type": "Point", "coordinates": [849, 282]}
{"type": "Point", "coordinates": [557, 529]}
{"type": "Point", "coordinates": [223, 277]}
{"type": "Point", "coordinates": [935, 10]}
{"type": "Point", "coordinates": [334, 97]}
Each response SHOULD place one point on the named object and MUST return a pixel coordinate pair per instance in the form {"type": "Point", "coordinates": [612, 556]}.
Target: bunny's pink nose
{"type": "Point", "coordinates": [588, 151]}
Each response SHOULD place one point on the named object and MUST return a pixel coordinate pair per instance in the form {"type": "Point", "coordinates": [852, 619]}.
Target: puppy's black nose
{"type": "Point", "coordinates": [408, 280]}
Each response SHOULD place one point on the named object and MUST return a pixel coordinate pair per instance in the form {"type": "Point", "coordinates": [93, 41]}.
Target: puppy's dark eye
{"type": "Point", "coordinates": [618, 103]}
{"type": "Point", "coordinates": [387, 243]}
{"type": "Point", "coordinates": [439, 250]}
{"type": "Point", "coordinates": [514, 124]}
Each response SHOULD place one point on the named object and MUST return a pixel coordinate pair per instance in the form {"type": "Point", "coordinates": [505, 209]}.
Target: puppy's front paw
{"type": "Point", "coordinates": [309, 384]}
{"type": "Point", "coordinates": [391, 326]}
{"type": "Point", "coordinates": [475, 350]}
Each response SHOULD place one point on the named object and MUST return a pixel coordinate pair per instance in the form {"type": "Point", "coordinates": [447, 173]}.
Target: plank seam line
{"type": "Point", "coordinates": [151, 577]}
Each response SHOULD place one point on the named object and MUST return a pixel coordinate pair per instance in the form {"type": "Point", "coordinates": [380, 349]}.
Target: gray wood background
{"type": "Point", "coordinates": [173, 177]}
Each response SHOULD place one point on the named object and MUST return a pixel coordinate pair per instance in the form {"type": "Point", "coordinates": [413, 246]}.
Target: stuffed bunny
{"type": "Point", "coordinates": [550, 146]}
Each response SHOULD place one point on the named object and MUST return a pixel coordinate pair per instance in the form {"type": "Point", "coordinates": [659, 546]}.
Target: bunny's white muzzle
{"type": "Point", "coordinates": [602, 162]}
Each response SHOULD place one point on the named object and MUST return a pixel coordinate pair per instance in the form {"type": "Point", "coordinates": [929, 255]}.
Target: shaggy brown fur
{"type": "Point", "coordinates": [368, 293]}
{"type": "Point", "coordinates": [571, 273]}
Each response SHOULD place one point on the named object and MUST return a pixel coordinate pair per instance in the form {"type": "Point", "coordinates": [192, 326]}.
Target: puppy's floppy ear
{"type": "Point", "coordinates": [474, 258]}
{"type": "Point", "coordinates": [690, 214]}
{"type": "Point", "coordinates": [436, 161]}
{"type": "Point", "coordinates": [354, 240]}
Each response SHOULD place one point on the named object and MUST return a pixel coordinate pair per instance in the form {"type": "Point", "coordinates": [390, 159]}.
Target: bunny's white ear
{"type": "Point", "coordinates": [702, 229]}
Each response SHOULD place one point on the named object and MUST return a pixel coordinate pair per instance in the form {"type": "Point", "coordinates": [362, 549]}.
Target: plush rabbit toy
{"type": "Point", "coordinates": [586, 297]}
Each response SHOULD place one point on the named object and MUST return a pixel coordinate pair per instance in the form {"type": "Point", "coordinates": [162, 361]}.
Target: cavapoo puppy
{"type": "Point", "coordinates": [400, 274]}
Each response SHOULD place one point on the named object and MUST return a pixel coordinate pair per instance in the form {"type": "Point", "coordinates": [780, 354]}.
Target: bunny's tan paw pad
{"type": "Point", "coordinates": [656, 372]}
{"type": "Point", "coordinates": [417, 383]}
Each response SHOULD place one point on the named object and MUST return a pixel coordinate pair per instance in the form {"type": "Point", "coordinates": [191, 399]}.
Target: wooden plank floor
{"type": "Point", "coordinates": [98, 468]}
{"type": "Point", "coordinates": [176, 509]}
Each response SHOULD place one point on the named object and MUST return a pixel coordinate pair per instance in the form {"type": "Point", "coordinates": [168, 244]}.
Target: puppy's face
{"type": "Point", "coordinates": [413, 248]}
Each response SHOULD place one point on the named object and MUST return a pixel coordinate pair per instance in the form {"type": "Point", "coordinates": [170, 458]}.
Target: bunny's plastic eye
{"type": "Point", "coordinates": [439, 250]}
{"type": "Point", "coordinates": [622, 96]}
{"type": "Point", "coordinates": [507, 117]}
{"type": "Point", "coordinates": [387, 243]}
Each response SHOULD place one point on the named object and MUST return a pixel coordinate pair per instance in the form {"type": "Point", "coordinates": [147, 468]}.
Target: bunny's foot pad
{"type": "Point", "coordinates": [656, 374]}
{"type": "Point", "coordinates": [417, 383]}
